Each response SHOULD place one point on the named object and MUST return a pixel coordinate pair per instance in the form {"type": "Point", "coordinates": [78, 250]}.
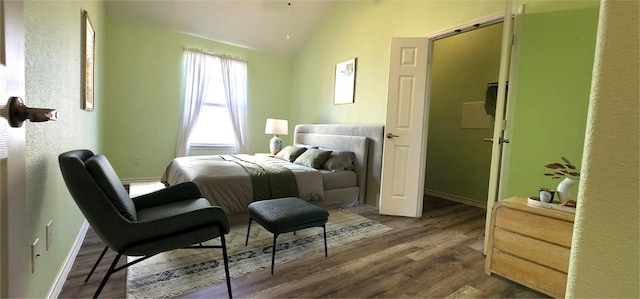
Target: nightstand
{"type": "Point", "coordinates": [530, 245]}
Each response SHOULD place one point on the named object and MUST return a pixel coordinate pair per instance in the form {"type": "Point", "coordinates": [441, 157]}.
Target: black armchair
{"type": "Point", "coordinates": [171, 218]}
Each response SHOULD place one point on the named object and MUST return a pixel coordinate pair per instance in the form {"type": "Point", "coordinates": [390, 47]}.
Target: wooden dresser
{"type": "Point", "coordinates": [530, 245]}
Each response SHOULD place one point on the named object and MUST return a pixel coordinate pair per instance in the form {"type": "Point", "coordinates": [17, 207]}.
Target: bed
{"type": "Point", "coordinates": [349, 176]}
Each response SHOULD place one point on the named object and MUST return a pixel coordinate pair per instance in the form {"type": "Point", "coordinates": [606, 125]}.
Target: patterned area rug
{"type": "Point", "coordinates": [177, 272]}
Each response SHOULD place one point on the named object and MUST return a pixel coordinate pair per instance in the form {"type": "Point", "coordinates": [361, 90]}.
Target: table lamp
{"type": "Point", "coordinates": [276, 127]}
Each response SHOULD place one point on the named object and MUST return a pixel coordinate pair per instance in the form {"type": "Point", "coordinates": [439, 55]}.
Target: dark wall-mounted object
{"type": "Point", "coordinates": [492, 96]}
{"type": "Point", "coordinates": [18, 113]}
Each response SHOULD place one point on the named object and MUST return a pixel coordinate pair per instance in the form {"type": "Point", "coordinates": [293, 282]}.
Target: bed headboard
{"type": "Point", "coordinates": [364, 140]}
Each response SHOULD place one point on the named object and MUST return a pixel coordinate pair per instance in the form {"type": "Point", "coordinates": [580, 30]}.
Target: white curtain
{"type": "Point", "coordinates": [234, 80]}
{"type": "Point", "coordinates": [198, 68]}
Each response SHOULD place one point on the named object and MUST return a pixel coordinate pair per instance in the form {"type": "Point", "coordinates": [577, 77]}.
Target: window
{"type": "Point", "coordinates": [213, 127]}
{"type": "Point", "coordinates": [214, 102]}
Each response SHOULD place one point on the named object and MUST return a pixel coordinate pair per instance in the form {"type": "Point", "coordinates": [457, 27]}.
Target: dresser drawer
{"type": "Point", "coordinates": [530, 245]}
{"type": "Point", "coordinates": [537, 251]}
{"type": "Point", "coordinates": [540, 227]}
{"type": "Point", "coordinates": [535, 276]}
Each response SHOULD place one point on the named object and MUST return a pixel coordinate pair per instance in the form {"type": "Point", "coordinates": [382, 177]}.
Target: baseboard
{"type": "Point", "coordinates": [455, 198]}
{"type": "Point", "coordinates": [56, 288]}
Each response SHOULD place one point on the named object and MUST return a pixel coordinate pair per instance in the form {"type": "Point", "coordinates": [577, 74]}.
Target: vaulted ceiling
{"type": "Point", "coordinates": [256, 24]}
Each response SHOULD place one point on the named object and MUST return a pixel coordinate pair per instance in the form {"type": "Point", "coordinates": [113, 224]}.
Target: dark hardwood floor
{"type": "Point", "coordinates": [436, 256]}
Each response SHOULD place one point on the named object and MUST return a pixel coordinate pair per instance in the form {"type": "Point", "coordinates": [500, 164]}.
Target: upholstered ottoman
{"type": "Point", "coordinates": [288, 214]}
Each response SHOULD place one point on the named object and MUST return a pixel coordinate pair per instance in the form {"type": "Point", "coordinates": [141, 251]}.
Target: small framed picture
{"type": "Point", "coordinates": [89, 39]}
{"type": "Point", "coordinates": [345, 82]}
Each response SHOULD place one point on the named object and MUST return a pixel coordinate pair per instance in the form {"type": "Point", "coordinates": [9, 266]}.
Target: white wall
{"type": "Point", "coordinates": [605, 257]}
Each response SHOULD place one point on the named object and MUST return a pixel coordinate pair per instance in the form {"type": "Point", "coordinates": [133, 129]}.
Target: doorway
{"type": "Point", "coordinates": [464, 73]}
{"type": "Point", "coordinates": [408, 109]}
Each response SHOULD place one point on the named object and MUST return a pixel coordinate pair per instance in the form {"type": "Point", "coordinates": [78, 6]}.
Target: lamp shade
{"type": "Point", "coordinates": [277, 126]}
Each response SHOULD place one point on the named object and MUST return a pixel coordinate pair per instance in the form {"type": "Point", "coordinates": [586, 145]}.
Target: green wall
{"type": "Point", "coordinates": [553, 68]}
{"type": "Point", "coordinates": [457, 158]}
{"type": "Point", "coordinates": [143, 91]}
{"type": "Point", "coordinates": [52, 77]}
{"type": "Point", "coordinates": [301, 89]}
{"type": "Point", "coordinates": [555, 72]}
{"type": "Point", "coordinates": [363, 29]}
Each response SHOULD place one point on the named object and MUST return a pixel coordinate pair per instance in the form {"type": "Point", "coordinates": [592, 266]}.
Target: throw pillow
{"type": "Point", "coordinates": [340, 160]}
{"type": "Point", "coordinates": [313, 158]}
{"type": "Point", "coordinates": [290, 153]}
{"type": "Point", "coordinates": [306, 145]}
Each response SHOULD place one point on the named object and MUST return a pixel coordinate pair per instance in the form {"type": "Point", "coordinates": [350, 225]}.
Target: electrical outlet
{"type": "Point", "coordinates": [35, 253]}
{"type": "Point", "coordinates": [137, 160]}
{"type": "Point", "coordinates": [49, 235]}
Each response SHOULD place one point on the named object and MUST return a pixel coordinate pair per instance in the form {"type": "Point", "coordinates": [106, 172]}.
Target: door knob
{"type": "Point", "coordinates": [18, 113]}
{"type": "Point", "coordinates": [389, 135]}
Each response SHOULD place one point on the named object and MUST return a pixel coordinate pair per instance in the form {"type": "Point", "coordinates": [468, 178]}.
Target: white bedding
{"type": "Point", "coordinates": [229, 186]}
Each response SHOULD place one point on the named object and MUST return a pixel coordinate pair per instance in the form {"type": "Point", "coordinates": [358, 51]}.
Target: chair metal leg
{"type": "Point", "coordinates": [324, 230]}
{"type": "Point", "coordinates": [226, 262]}
{"type": "Point", "coordinates": [273, 254]}
{"type": "Point", "coordinates": [113, 269]}
{"type": "Point", "coordinates": [106, 276]}
{"type": "Point", "coordinates": [246, 242]}
{"type": "Point", "coordinates": [96, 264]}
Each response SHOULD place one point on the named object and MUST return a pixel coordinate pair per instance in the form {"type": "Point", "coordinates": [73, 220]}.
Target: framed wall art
{"type": "Point", "coordinates": [345, 82]}
{"type": "Point", "coordinates": [89, 40]}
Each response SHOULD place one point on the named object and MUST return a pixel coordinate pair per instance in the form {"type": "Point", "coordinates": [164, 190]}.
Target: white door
{"type": "Point", "coordinates": [14, 258]}
{"type": "Point", "coordinates": [403, 161]}
{"type": "Point", "coordinates": [498, 139]}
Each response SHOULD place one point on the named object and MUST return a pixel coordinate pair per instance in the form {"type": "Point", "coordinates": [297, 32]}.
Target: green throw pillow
{"type": "Point", "coordinates": [313, 158]}
{"type": "Point", "coordinates": [290, 153]}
